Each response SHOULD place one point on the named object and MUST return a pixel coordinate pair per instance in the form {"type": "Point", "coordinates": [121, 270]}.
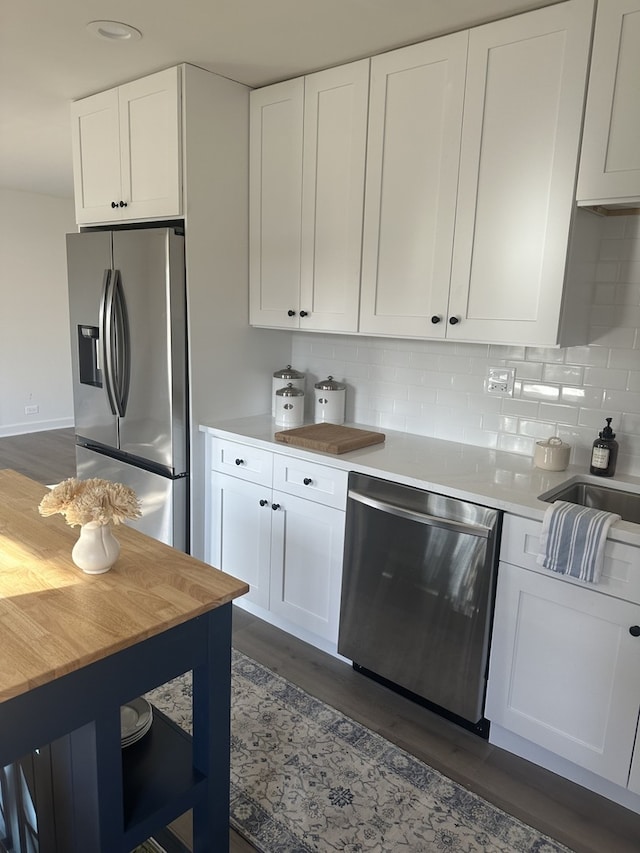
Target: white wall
{"type": "Point", "coordinates": [437, 388]}
{"type": "Point", "coordinates": [35, 357]}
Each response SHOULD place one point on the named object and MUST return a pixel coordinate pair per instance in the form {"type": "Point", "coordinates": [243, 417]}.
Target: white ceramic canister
{"type": "Point", "coordinates": [283, 377]}
{"type": "Point", "coordinates": [330, 401]}
{"type": "Point", "coordinates": [552, 454]}
{"type": "Point", "coordinates": [289, 406]}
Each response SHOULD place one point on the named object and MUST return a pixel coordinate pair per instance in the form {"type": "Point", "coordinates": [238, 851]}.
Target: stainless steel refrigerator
{"type": "Point", "coordinates": [129, 353]}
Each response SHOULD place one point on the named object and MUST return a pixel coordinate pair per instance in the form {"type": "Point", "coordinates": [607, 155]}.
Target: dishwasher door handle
{"type": "Point", "coordinates": [421, 517]}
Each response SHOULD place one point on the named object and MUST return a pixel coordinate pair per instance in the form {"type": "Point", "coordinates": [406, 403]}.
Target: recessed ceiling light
{"type": "Point", "coordinates": [114, 30]}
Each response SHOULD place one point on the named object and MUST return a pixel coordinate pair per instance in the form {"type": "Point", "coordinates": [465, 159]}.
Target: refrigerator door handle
{"type": "Point", "coordinates": [121, 345]}
{"type": "Point", "coordinates": [106, 311]}
{"type": "Point", "coordinates": [116, 346]}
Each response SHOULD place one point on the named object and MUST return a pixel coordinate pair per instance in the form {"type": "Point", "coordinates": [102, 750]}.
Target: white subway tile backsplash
{"type": "Point", "coordinates": [622, 401]}
{"type": "Point", "coordinates": [436, 388]}
{"type": "Point", "coordinates": [592, 356]}
{"type": "Point", "coordinates": [584, 396]}
{"type": "Point", "coordinates": [558, 414]}
{"type": "Point", "coordinates": [396, 358]}
{"type": "Point", "coordinates": [519, 408]}
{"type": "Point", "coordinates": [603, 336]}
{"type": "Point", "coordinates": [607, 271]}
{"type": "Point", "coordinates": [540, 391]}
{"type": "Point", "coordinates": [422, 394]}
{"type": "Point", "coordinates": [606, 378]}
{"type": "Point", "coordinates": [568, 374]}
{"type": "Point", "coordinates": [527, 369]}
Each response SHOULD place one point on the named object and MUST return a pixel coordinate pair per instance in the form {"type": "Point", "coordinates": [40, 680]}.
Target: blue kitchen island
{"type": "Point", "coordinates": [74, 648]}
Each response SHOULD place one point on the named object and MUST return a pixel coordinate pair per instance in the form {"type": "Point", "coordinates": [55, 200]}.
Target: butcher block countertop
{"type": "Point", "coordinates": [55, 619]}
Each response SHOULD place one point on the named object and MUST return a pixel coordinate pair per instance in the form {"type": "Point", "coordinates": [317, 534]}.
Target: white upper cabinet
{"type": "Point", "coordinates": [526, 79]}
{"type": "Point", "coordinates": [127, 151]}
{"type": "Point", "coordinates": [415, 123]}
{"type": "Point", "coordinates": [307, 156]}
{"type": "Point", "coordinates": [471, 161]}
{"type": "Point", "coordinates": [275, 176]}
{"type": "Point", "coordinates": [610, 161]}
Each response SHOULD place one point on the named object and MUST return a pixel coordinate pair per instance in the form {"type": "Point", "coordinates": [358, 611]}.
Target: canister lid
{"type": "Point", "coordinates": [329, 384]}
{"type": "Point", "coordinates": [290, 391]}
{"type": "Point", "coordinates": [288, 372]}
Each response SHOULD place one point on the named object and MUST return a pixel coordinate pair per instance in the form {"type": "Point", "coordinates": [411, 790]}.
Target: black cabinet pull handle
{"type": "Point", "coordinates": [291, 313]}
{"type": "Point", "coordinates": [114, 204]}
{"type": "Point", "coordinates": [303, 313]}
{"type": "Point", "coordinates": [436, 318]}
{"type": "Point", "coordinates": [454, 320]}
{"type": "Point", "coordinates": [307, 481]}
{"type": "Point", "coordinates": [263, 502]}
{"type": "Point", "coordinates": [275, 506]}
{"type": "Point", "coordinates": [634, 630]}
{"type": "Point", "coordinates": [123, 204]}
{"type": "Point", "coordinates": [239, 461]}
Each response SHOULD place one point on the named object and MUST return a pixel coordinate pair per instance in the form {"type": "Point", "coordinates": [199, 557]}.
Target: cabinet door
{"type": "Point", "coordinates": [306, 564]}
{"type": "Point", "coordinates": [610, 162]}
{"type": "Point", "coordinates": [415, 120]}
{"type": "Point", "coordinates": [565, 671]}
{"type": "Point", "coordinates": [240, 533]}
{"type": "Point", "coordinates": [150, 146]}
{"type": "Point", "coordinates": [95, 143]}
{"type": "Point", "coordinates": [335, 141]}
{"type": "Point", "coordinates": [275, 175]}
{"type": "Point", "coordinates": [523, 111]}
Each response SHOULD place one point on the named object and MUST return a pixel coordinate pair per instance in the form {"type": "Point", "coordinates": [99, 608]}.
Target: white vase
{"type": "Point", "coordinates": [97, 548]}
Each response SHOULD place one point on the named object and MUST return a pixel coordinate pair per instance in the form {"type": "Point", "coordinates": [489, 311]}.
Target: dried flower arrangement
{"type": "Point", "coordinates": [82, 501]}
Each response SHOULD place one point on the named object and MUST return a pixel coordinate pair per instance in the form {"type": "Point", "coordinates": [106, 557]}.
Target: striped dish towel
{"type": "Point", "coordinates": [573, 539]}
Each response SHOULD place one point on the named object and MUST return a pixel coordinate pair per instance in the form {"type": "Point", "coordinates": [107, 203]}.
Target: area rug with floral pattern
{"type": "Point", "coordinates": [304, 777]}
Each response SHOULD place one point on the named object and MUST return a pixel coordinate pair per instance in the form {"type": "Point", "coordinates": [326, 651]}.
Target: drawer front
{"type": "Point", "coordinates": [309, 480]}
{"type": "Point", "coordinates": [620, 574]}
{"type": "Point", "coordinates": [242, 460]}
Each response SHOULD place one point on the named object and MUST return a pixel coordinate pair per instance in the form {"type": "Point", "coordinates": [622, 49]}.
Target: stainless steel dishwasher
{"type": "Point", "coordinates": [418, 589]}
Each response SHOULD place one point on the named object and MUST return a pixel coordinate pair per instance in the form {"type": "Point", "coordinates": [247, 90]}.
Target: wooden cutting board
{"type": "Point", "coordinates": [330, 438]}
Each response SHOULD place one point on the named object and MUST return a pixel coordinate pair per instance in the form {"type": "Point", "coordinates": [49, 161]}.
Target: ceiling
{"type": "Point", "coordinates": [48, 58]}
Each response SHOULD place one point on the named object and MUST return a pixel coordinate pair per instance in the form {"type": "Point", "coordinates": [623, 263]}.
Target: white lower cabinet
{"type": "Point", "coordinates": [277, 522]}
{"type": "Point", "coordinates": [565, 666]}
{"type": "Point", "coordinates": [240, 533]}
{"type": "Point", "coordinates": [306, 564]}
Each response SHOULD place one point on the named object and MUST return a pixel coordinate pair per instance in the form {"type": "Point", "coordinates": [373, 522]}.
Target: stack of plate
{"type": "Point", "coordinates": [135, 720]}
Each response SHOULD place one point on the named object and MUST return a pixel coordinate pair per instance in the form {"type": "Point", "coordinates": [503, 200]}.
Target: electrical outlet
{"type": "Point", "coordinates": [31, 410]}
{"type": "Point", "coordinates": [500, 380]}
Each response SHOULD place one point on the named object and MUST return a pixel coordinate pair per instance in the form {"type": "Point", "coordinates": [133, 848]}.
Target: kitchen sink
{"type": "Point", "coordinates": [625, 503]}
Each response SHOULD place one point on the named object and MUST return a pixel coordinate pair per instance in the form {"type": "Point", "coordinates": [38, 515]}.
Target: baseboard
{"type": "Point", "coordinates": [35, 426]}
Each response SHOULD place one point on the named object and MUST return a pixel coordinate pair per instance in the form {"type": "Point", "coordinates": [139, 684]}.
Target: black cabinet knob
{"type": "Point", "coordinates": [114, 204]}
{"type": "Point", "coordinates": [291, 313]}
{"type": "Point", "coordinates": [436, 318]}
{"type": "Point", "coordinates": [239, 461]}
{"type": "Point", "coordinates": [263, 502]}
{"type": "Point", "coordinates": [303, 313]}
{"type": "Point", "coordinates": [634, 630]}
{"type": "Point", "coordinates": [307, 481]}
{"type": "Point", "coordinates": [454, 320]}
{"type": "Point", "coordinates": [123, 204]}
{"type": "Point", "coordinates": [275, 506]}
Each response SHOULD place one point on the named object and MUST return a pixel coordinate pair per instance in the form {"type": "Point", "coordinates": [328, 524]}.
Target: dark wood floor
{"type": "Point", "coordinates": [583, 821]}
{"type": "Point", "coordinates": [47, 457]}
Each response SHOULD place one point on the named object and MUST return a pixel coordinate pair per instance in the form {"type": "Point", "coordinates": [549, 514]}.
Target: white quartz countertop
{"type": "Point", "coordinates": [494, 478]}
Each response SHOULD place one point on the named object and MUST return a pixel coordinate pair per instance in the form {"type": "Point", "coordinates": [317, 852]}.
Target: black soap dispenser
{"type": "Point", "coordinates": [604, 453]}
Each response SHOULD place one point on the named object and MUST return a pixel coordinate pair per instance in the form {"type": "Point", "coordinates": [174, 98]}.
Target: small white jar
{"type": "Point", "coordinates": [283, 377]}
{"type": "Point", "coordinates": [289, 406]}
{"type": "Point", "coordinates": [552, 454]}
{"type": "Point", "coordinates": [329, 401]}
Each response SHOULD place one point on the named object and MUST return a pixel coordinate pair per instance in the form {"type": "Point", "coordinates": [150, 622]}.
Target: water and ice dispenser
{"type": "Point", "coordinates": [88, 355]}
